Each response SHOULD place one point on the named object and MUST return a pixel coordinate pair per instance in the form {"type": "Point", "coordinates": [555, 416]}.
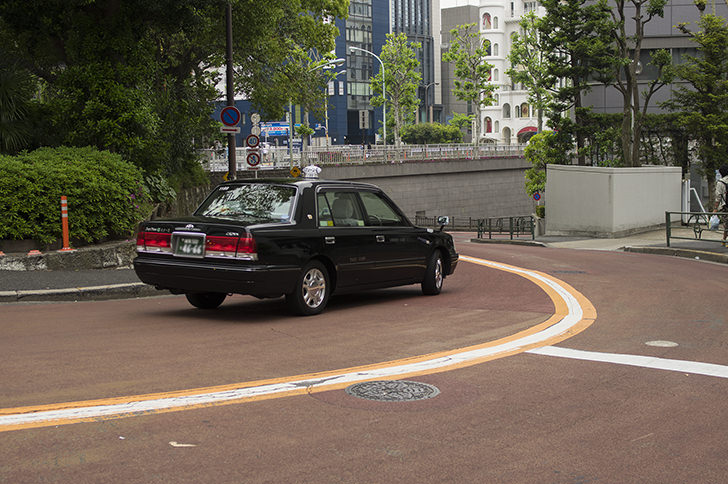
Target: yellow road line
{"type": "Point", "coordinates": [573, 313]}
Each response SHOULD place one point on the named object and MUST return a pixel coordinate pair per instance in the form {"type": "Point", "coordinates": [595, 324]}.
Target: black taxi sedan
{"type": "Point", "coordinates": [303, 239]}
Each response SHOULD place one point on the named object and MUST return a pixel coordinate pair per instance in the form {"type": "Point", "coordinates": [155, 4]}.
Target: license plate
{"type": "Point", "coordinates": [189, 245]}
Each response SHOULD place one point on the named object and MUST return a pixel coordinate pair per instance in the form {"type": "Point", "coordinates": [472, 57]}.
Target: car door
{"type": "Point", "coordinates": [400, 250]}
{"type": "Point", "coordinates": [345, 234]}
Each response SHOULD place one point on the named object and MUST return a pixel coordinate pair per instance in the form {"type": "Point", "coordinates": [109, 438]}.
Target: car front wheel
{"type": "Point", "coordinates": [206, 300]}
{"type": "Point", "coordinates": [434, 275]}
{"type": "Point", "coordinates": [312, 290]}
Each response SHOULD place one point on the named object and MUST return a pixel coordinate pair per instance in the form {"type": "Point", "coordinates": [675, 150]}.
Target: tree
{"type": "Point", "coordinates": [138, 77]}
{"type": "Point", "coordinates": [628, 67]}
{"type": "Point", "coordinates": [472, 72]}
{"type": "Point", "coordinates": [703, 108]}
{"type": "Point", "coordinates": [576, 36]}
{"type": "Point", "coordinates": [529, 65]}
{"type": "Point", "coordinates": [15, 96]}
{"type": "Point", "coordinates": [401, 79]}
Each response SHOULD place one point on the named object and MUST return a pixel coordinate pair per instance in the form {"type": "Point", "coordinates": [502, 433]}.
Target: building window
{"type": "Point", "coordinates": [488, 125]}
{"type": "Point", "coordinates": [487, 24]}
{"type": "Point", "coordinates": [486, 46]}
{"type": "Point", "coordinates": [495, 22]}
{"type": "Point", "coordinates": [506, 110]}
{"type": "Point", "coordinates": [495, 50]}
{"type": "Point", "coordinates": [524, 110]}
{"type": "Point", "coordinates": [518, 111]}
{"type": "Point", "coordinates": [495, 75]}
{"type": "Point", "coordinates": [497, 129]}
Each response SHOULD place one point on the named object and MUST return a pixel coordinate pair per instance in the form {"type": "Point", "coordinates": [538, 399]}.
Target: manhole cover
{"type": "Point", "coordinates": [393, 391]}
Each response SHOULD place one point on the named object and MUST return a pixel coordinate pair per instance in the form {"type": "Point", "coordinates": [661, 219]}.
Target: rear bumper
{"type": "Point", "coordinates": [184, 275]}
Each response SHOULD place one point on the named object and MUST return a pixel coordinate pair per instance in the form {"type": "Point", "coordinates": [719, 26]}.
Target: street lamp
{"type": "Point", "coordinates": [427, 98]}
{"type": "Point", "coordinates": [326, 65]}
{"type": "Point", "coordinates": [384, 91]}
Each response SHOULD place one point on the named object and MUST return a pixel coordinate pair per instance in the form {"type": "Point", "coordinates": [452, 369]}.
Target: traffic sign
{"type": "Point", "coordinates": [254, 158]}
{"type": "Point", "coordinates": [230, 116]}
{"type": "Point", "coordinates": [536, 196]}
{"type": "Point", "coordinates": [252, 141]}
{"type": "Point", "coordinates": [295, 172]}
{"type": "Point", "coordinates": [230, 129]}
{"type": "Point", "coordinates": [255, 130]}
{"type": "Point", "coordinates": [254, 118]}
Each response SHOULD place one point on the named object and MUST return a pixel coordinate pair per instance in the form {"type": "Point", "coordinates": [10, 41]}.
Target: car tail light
{"type": "Point", "coordinates": [234, 247]}
{"type": "Point", "coordinates": [247, 249]}
{"type": "Point", "coordinates": [154, 242]}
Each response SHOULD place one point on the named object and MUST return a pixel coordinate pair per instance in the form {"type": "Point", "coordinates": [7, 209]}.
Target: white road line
{"type": "Point", "coordinates": [682, 366]}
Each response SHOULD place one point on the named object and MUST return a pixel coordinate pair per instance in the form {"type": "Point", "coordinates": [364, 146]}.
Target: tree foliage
{"type": "Point", "coordinates": [401, 79]}
{"type": "Point", "coordinates": [576, 36]}
{"type": "Point", "coordinates": [529, 65]}
{"type": "Point", "coordinates": [472, 72]}
{"type": "Point", "coordinates": [703, 107]}
{"type": "Point", "coordinates": [138, 77]}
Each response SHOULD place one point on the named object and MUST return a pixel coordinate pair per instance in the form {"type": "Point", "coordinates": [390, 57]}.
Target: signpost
{"type": "Point", "coordinates": [253, 144]}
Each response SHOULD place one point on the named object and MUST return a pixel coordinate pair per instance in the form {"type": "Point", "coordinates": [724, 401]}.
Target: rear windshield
{"type": "Point", "coordinates": [254, 203]}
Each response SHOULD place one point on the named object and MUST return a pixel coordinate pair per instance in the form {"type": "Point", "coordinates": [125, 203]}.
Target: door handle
{"type": "Point", "coordinates": [380, 238]}
{"type": "Point", "coordinates": [330, 240]}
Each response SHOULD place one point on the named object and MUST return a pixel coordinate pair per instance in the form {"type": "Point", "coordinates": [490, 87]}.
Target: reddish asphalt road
{"type": "Point", "coordinates": [526, 418]}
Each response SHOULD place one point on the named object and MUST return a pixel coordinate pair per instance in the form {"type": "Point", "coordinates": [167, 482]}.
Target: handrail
{"type": "Point", "coordinates": [694, 219]}
{"type": "Point", "coordinates": [279, 157]}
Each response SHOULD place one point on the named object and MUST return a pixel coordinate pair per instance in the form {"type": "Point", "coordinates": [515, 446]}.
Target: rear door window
{"type": "Point", "coordinates": [339, 209]}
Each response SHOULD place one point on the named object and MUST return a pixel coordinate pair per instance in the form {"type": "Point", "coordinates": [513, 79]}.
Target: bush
{"type": "Point", "coordinates": [435, 133]}
{"type": "Point", "coordinates": [106, 195]}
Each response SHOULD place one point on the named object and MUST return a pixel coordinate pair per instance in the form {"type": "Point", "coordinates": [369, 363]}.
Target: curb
{"type": "Point", "coordinates": [106, 256]}
{"type": "Point", "coordinates": [684, 253]}
{"type": "Point", "coordinates": [532, 243]}
{"type": "Point", "coordinates": [91, 293]}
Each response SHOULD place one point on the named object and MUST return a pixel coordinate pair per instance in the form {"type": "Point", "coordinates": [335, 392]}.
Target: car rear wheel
{"type": "Point", "coordinates": [206, 300]}
{"type": "Point", "coordinates": [434, 275]}
{"type": "Point", "coordinates": [312, 290]}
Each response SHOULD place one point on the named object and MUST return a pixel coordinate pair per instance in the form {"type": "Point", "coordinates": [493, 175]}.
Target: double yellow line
{"type": "Point", "coordinates": [573, 313]}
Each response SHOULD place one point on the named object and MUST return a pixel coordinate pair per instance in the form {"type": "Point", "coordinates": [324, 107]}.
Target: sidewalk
{"type": "Point", "coordinates": [105, 271]}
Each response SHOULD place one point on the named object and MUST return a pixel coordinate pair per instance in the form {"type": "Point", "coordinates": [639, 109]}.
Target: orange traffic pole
{"type": "Point", "coordinates": [64, 222]}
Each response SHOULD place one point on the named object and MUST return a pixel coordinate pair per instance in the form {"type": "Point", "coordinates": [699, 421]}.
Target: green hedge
{"type": "Point", "coordinates": [106, 195]}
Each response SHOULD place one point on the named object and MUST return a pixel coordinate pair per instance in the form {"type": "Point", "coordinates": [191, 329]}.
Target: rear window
{"type": "Point", "coordinates": [254, 203]}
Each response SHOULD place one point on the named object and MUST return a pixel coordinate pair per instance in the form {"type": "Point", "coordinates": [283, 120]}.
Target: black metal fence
{"type": "Point", "coordinates": [697, 221]}
{"type": "Point", "coordinates": [518, 227]}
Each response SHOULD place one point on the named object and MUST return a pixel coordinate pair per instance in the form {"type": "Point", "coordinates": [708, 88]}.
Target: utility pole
{"type": "Point", "coordinates": [232, 162]}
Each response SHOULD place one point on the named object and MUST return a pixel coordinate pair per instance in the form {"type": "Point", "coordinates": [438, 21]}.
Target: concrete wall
{"type": "Point", "coordinates": [609, 202]}
{"type": "Point", "coordinates": [490, 187]}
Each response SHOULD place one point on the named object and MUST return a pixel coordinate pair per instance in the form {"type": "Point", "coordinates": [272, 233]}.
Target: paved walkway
{"type": "Point", "coordinates": [104, 272]}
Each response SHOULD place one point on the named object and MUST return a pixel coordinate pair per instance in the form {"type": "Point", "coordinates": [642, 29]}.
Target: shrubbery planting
{"type": "Point", "coordinates": [106, 195]}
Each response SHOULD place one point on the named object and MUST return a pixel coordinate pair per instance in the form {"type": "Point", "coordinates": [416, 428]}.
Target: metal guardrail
{"type": "Point", "coordinates": [519, 227]}
{"type": "Point", "coordinates": [279, 157]}
{"type": "Point", "coordinates": [695, 220]}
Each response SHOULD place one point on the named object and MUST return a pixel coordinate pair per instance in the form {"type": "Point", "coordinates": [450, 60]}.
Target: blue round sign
{"type": "Point", "coordinates": [537, 196]}
{"type": "Point", "coordinates": [230, 116]}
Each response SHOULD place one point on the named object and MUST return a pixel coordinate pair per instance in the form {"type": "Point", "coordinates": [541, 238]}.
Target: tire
{"type": "Point", "coordinates": [312, 290]}
{"type": "Point", "coordinates": [434, 275]}
{"type": "Point", "coordinates": [206, 300]}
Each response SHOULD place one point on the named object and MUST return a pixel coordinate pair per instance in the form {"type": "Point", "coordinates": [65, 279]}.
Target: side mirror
{"type": "Point", "coordinates": [443, 220]}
